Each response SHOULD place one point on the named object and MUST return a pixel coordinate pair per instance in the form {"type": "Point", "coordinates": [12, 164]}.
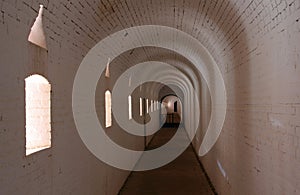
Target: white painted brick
{"type": "Point", "coordinates": [260, 65]}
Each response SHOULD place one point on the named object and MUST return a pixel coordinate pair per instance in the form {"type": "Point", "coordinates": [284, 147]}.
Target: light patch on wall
{"type": "Point", "coordinates": [37, 34]}
{"type": "Point", "coordinates": [108, 117]}
{"type": "Point", "coordinates": [170, 104]}
{"type": "Point", "coordinates": [222, 170]}
{"type": "Point", "coordinates": [275, 122]}
{"type": "Point", "coordinates": [37, 114]}
{"type": "Point", "coordinates": [129, 81]}
{"type": "Point", "coordinates": [107, 72]}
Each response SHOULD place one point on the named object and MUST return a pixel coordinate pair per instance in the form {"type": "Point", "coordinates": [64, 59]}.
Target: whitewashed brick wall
{"type": "Point", "coordinates": [255, 43]}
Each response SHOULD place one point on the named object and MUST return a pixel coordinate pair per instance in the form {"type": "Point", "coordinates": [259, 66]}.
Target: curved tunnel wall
{"type": "Point", "coordinates": [255, 44]}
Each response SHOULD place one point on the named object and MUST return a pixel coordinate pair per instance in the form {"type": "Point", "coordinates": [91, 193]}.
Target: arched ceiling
{"type": "Point", "coordinates": [202, 31]}
{"type": "Point", "coordinates": [211, 22]}
{"type": "Point", "coordinates": [151, 36]}
{"type": "Point", "coordinates": [144, 54]}
{"type": "Point", "coordinates": [222, 26]}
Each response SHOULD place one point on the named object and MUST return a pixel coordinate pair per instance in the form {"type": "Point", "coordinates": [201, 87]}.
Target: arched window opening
{"type": "Point", "coordinates": [130, 107]}
{"type": "Point", "coordinates": [37, 114]}
{"type": "Point", "coordinates": [141, 107]}
{"type": "Point", "coordinates": [108, 115]}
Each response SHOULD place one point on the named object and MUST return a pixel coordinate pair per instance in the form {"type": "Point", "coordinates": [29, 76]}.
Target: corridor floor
{"type": "Point", "coordinates": [182, 176]}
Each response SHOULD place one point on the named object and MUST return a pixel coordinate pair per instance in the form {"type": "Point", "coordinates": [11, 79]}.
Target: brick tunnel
{"type": "Point", "coordinates": [150, 97]}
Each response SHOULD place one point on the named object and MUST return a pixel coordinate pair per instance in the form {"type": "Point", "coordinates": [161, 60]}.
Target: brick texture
{"type": "Point", "coordinates": [255, 44]}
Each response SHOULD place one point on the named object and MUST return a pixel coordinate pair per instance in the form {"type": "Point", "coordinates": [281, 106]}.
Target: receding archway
{"type": "Point", "coordinates": [171, 115]}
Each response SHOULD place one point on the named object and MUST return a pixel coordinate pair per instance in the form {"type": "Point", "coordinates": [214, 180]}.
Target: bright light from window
{"type": "Point", "coordinates": [108, 117]}
{"type": "Point", "coordinates": [130, 107]}
{"type": "Point", "coordinates": [169, 104]}
{"type": "Point", "coordinates": [151, 106]}
{"type": "Point", "coordinates": [147, 106]}
{"type": "Point", "coordinates": [141, 107]}
{"type": "Point", "coordinates": [37, 114]}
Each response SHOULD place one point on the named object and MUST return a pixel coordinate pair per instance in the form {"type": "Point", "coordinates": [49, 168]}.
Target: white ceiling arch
{"type": "Point", "coordinates": [149, 35]}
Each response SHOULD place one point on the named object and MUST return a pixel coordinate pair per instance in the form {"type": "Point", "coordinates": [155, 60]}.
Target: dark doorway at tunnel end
{"type": "Point", "coordinates": [171, 111]}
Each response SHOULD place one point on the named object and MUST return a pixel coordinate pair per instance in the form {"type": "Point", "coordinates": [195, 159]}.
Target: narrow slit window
{"type": "Point", "coordinates": [151, 106]}
{"type": "Point", "coordinates": [108, 115]}
{"type": "Point", "coordinates": [147, 106]}
{"type": "Point", "coordinates": [141, 107]}
{"type": "Point", "coordinates": [37, 114]}
{"type": "Point", "coordinates": [130, 107]}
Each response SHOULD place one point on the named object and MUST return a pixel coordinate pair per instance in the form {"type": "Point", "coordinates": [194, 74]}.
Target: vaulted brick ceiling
{"type": "Point", "coordinates": [221, 26]}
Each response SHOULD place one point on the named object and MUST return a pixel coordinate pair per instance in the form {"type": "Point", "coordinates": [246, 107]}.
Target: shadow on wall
{"type": "Point", "coordinates": [228, 170]}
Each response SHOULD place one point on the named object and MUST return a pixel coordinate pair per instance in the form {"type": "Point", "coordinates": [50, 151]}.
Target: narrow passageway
{"type": "Point", "coordinates": [182, 176]}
